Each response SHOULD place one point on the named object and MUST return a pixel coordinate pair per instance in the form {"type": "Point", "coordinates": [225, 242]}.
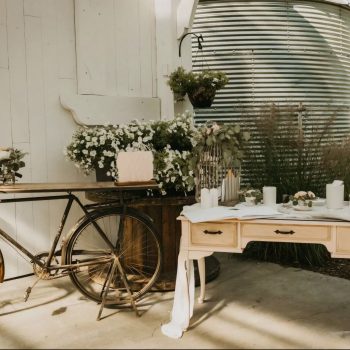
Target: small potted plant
{"type": "Point", "coordinates": [252, 196]}
{"type": "Point", "coordinates": [303, 198]}
{"type": "Point", "coordinates": [200, 86]}
{"type": "Point", "coordinates": [10, 162]}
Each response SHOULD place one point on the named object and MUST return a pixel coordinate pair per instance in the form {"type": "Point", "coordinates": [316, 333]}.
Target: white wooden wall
{"type": "Point", "coordinates": [37, 62]}
{"type": "Point", "coordinates": [124, 62]}
{"type": "Point", "coordinates": [46, 51]}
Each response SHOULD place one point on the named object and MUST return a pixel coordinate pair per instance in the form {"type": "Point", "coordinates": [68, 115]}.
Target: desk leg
{"type": "Point", "coordinates": [201, 271]}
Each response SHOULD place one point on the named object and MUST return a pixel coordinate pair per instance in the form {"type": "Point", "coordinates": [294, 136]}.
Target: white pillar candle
{"type": "Point", "coordinates": [335, 196]}
{"type": "Point", "coordinates": [269, 195]}
{"type": "Point", "coordinates": [205, 198]}
{"type": "Point", "coordinates": [214, 197]}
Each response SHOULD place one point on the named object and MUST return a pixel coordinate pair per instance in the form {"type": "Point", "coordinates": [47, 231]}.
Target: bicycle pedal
{"type": "Point", "coordinates": [27, 293]}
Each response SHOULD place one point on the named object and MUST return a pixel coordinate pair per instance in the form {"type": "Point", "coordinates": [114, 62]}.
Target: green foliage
{"type": "Point", "coordinates": [251, 193]}
{"type": "Point", "coordinates": [170, 140]}
{"type": "Point", "coordinates": [11, 160]}
{"type": "Point", "coordinates": [205, 82]}
{"type": "Point", "coordinates": [173, 172]}
{"type": "Point", "coordinates": [336, 163]}
{"type": "Point", "coordinates": [229, 137]}
{"type": "Point", "coordinates": [288, 253]}
{"type": "Point", "coordinates": [178, 82]}
{"type": "Point", "coordinates": [291, 157]}
{"type": "Point", "coordinates": [177, 133]}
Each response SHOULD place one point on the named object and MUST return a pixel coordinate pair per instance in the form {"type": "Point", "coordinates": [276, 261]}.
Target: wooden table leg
{"type": "Point", "coordinates": [201, 271]}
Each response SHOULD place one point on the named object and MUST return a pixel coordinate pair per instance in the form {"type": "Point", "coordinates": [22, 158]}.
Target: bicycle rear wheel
{"type": "Point", "coordinates": [2, 267]}
{"type": "Point", "coordinates": [138, 251]}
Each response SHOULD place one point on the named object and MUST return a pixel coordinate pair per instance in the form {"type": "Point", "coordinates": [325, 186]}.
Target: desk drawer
{"type": "Point", "coordinates": [343, 240]}
{"type": "Point", "coordinates": [214, 234]}
{"type": "Point", "coordinates": [287, 233]}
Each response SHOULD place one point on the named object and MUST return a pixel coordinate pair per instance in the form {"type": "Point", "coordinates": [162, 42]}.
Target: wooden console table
{"type": "Point", "coordinates": [202, 239]}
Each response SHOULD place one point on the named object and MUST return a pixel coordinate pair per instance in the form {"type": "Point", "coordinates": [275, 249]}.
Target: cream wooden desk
{"type": "Point", "coordinates": [199, 240]}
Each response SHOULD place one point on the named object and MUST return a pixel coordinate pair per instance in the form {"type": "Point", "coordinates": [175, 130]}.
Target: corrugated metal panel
{"type": "Point", "coordinates": [277, 51]}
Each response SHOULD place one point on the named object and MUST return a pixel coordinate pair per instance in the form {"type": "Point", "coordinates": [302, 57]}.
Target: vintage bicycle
{"type": "Point", "coordinates": [112, 254]}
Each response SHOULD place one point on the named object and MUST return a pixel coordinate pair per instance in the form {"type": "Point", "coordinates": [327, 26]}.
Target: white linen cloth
{"type": "Point", "coordinates": [317, 212]}
{"type": "Point", "coordinates": [195, 213]}
{"type": "Point", "coordinates": [183, 298]}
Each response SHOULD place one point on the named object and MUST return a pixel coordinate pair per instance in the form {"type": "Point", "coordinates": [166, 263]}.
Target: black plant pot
{"type": "Point", "coordinates": [178, 96]}
{"type": "Point", "coordinates": [201, 97]}
{"type": "Point", "coordinates": [101, 175]}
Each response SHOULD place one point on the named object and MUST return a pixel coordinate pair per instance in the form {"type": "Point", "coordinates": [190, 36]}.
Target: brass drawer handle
{"type": "Point", "coordinates": [285, 232]}
{"type": "Point", "coordinates": [212, 232]}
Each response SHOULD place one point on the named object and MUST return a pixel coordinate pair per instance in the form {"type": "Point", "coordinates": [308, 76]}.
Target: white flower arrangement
{"type": "Point", "coordinates": [170, 141]}
{"type": "Point", "coordinates": [173, 172]}
{"type": "Point", "coordinates": [303, 197]}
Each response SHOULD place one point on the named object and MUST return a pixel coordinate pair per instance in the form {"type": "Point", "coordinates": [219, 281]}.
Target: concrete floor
{"type": "Point", "coordinates": [250, 305]}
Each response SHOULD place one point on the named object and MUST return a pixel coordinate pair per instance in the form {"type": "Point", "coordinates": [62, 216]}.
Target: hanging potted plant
{"type": "Point", "coordinates": [200, 87]}
{"type": "Point", "coordinates": [177, 82]}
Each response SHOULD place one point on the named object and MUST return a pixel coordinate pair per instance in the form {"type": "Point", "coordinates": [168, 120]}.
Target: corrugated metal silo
{"type": "Point", "coordinates": [277, 51]}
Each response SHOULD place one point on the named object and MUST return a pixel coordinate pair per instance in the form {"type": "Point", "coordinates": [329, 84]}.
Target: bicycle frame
{"type": "Point", "coordinates": [47, 266]}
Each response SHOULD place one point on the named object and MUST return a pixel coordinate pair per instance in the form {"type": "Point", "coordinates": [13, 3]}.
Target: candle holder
{"type": "Point", "coordinates": [213, 174]}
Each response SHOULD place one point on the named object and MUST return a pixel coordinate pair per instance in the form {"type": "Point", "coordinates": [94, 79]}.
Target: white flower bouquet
{"type": "Point", "coordinates": [303, 198]}
{"type": "Point", "coordinates": [170, 141]}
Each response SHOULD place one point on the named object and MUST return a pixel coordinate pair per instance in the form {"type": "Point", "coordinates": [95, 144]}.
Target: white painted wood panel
{"type": "Point", "coordinates": [65, 48]}
{"type": "Point", "coordinates": [185, 14]}
{"type": "Point", "coordinates": [58, 36]}
{"type": "Point", "coordinates": [147, 48]}
{"type": "Point", "coordinates": [36, 102]}
{"type": "Point", "coordinates": [121, 38]}
{"type": "Point", "coordinates": [129, 33]}
{"type": "Point", "coordinates": [95, 46]}
{"type": "Point", "coordinates": [5, 110]}
{"type": "Point", "coordinates": [7, 211]}
{"type": "Point", "coordinates": [18, 71]}
{"type": "Point", "coordinates": [98, 110]}
{"type": "Point", "coordinates": [33, 7]}
{"type": "Point", "coordinates": [31, 218]}
{"type": "Point", "coordinates": [3, 35]}
{"type": "Point", "coordinates": [116, 47]}
{"type": "Point", "coordinates": [165, 13]}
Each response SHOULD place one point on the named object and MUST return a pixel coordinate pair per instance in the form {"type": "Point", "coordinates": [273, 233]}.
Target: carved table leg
{"type": "Point", "coordinates": [201, 271]}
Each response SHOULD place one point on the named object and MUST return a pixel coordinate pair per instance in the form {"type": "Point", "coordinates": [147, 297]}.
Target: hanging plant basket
{"type": "Point", "coordinates": [201, 97]}
{"type": "Point", "coordinates": [179, 96]}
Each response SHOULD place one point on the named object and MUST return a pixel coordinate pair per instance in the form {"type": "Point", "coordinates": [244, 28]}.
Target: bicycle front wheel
{"type": "Point", "coordinates": [137, 248]}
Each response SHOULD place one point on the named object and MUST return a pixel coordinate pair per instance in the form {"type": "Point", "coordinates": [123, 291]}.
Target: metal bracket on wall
{"type": "Point", "coordinates": [199, 40]}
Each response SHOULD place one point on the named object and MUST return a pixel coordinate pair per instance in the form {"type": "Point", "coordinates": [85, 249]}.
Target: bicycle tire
{"type": "Point", "coordinates": [2, 267]}
{"type": "Point", "coordinates": [139, 254]}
